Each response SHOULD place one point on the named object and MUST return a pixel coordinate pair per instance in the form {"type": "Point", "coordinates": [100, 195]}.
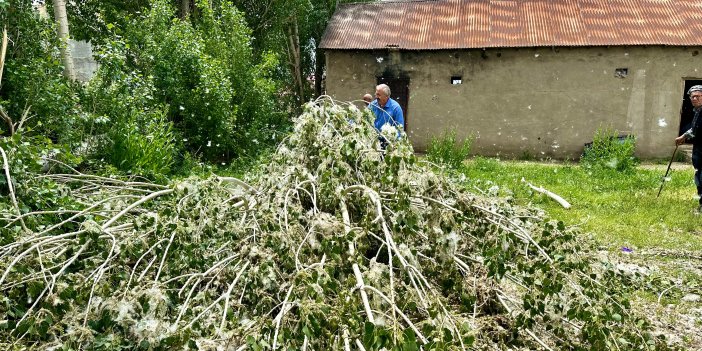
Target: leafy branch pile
{"type": "Point", "coordinates": [330, 246]}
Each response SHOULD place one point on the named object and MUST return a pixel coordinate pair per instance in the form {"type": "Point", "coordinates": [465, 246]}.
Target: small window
{"type": "Point", "coordinates": [455, 80]}
{"type": "Point", "coordinates": [621, 72]}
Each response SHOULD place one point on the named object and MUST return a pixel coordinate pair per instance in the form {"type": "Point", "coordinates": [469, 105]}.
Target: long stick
{"type": "Point", "coordinates": [668, 170]}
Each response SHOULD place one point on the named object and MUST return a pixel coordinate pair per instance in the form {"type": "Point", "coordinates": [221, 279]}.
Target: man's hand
{"type": "Point", "coordinates": [680, 140]}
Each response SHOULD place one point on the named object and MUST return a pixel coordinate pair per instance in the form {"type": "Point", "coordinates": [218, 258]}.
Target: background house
{"type": "Point", "coordinates": [525, 77]}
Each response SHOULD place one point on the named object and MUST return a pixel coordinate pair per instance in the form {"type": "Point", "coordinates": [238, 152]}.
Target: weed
{"type": "Point", "coordinates": [446, 150]}
{"type": "Point", "coordinates": [680, 156]}
{"type": "Point", "coordinates": [526, 156]}
{"type": "Point", "coordinates": [608, 150]}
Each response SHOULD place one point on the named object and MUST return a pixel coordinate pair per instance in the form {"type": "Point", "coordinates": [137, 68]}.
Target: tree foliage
{"type": "Point", "coordinates": [291, 30]}
{"type": "Point", "coordinates": [32, 84]}
{"type": "Point", "coordinates": [203, 73]}
{"type": "Point", "coordinates": [166, 87]}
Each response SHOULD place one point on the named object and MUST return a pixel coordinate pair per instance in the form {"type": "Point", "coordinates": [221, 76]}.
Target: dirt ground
{"type": "Point", "coordinates": [673, 298]}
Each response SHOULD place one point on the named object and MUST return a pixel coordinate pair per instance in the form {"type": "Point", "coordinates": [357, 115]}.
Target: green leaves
{"type": "Point", "coordinates": [447, 150]}
{"type": "Point", "coordinates": [609, 151]}
{"type": "Point", "coordinates": [32, 82]}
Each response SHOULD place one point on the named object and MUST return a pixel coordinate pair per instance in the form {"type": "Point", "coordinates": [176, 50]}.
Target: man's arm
{"type": "Point", "coordinates": [399, 117]}
{"type": "Point", "coordinates": [683, 138]}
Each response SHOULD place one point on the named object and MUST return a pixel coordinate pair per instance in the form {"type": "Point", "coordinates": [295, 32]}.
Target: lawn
{"type": "Point", "coordinates": [618, 209]}
{"type": "Point", "coordinates": [659, 237]}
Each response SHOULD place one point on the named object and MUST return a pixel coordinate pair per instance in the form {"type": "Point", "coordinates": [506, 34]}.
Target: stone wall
{"type": "Point", "coordinates": [537, 102]}
{"type": "Point", "coordinates": [83, 61]}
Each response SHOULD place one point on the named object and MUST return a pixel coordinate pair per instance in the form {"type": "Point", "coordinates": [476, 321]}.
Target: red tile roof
{"type": "Point", "coordinates": [460, 24]}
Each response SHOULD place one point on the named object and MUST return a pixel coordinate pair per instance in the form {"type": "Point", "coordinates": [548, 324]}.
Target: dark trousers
{"type": "Point", "coordinates": [697, 163]}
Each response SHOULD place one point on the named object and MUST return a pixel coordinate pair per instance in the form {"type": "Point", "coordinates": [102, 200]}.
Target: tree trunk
{"type": "Point", "coordinates": [294, 57]}
{"type": "Point", "coordinates": [319, 61]}
{"type": "Point", "coordinates": [3, 51]}
{"type": "Point", "coordinates": [184, 8]}
{"type": "Point", "coordinates": [61, 19]}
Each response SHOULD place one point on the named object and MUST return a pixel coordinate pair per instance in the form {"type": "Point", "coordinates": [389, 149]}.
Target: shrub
{"type": "Point", "coordinates": [681, 156]}
{"type": "Point", "coordinates": [446, 150]}
{"type": "Point", "coordinates": [26, 155]}
{"type": "Point", "coordinates": [143, 144]}
{"type": "Point", "coordinates": [133, 131]}
{"type": "Point", "coordinates": [527, 156]}
{"type": "Point", "coordinates": [32, 79]}
{"type": "Point", "coordinates": [610, 151]}
{"type": "Point", "coordinates": [221, 101]}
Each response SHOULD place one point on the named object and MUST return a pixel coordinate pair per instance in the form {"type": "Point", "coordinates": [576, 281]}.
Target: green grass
{"type": "Point", "coordinates": [619, 209]}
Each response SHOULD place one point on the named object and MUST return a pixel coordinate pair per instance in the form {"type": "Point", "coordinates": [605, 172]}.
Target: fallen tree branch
{"type": "Point", "coordinates": [220, 260]}
{"type": "Point", "coordinates": [6, 167]}
{"type": "Point", "coordinates": [364, 295]}
{"type": "Point", "coordinates": [558, 199]}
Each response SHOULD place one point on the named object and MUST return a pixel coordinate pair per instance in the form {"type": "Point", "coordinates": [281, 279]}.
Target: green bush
{"type": "Point", "coordinates": [33, 81]}
{"type": "Point", "coordinates": [610, 152]}
{"type": "Point", "coordinates": [681, 156]}
{"type": "Point", "coordinates": [166, 89]}
{"type": "Point", "coordinates": [143, 144]}
{"type": "Point", "coordinates": [132, 130]}
{"type": "Point", "coordinates": [203, 70]}
{"type": "Point", "coordinates": [446, 150]}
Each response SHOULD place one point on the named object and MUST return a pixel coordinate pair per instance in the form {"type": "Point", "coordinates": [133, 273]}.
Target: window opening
{"type": "Point", "coordinates": [621, 72]}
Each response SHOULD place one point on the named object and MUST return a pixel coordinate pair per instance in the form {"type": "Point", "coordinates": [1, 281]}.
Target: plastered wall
{"type": "Point", "coordinates": [535, 102]}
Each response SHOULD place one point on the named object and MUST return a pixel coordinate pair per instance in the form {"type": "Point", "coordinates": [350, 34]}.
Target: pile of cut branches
{"type": "Point", "coordinates": [332, 245]}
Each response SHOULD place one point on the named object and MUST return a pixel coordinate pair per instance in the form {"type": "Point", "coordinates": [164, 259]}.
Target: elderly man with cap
{"type": "Point", "coordinates": [386, 111]}
{"type": "Point", "coordinates": [695, 135]}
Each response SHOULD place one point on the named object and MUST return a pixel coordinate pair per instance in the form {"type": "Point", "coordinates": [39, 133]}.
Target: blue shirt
{"type": "Point", "coordinates": [392, 114]}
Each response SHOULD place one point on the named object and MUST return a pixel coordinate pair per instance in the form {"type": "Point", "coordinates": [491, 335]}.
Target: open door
{"type": "Point", "coordinates": [686, 113]}
{"type": "Point", "coordinates": [399, 91]}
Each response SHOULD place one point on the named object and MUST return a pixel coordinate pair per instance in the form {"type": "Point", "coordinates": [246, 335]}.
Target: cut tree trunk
{"type": "Point", "coordinates": [3, 51]}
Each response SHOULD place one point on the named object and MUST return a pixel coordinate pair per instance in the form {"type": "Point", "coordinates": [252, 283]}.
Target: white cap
{"type": "Point", "coordinates": [694, 88]}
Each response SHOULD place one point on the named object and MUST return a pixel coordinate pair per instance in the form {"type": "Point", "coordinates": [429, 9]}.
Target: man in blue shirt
{"type": "Point", "coordinates": [386, 111]}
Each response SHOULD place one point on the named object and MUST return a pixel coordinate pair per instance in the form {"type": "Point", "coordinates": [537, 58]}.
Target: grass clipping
{"type": "Point", "coordinates": [330, 246]}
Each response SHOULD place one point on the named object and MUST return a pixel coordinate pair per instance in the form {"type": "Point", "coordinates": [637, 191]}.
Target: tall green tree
{"type": "Point", "coordinates": [94, 20]}
{"type": "Point", "coordinates": [294, 29]}
{"type": "Point", "coordinates": [220, 98]}
{"type": "Point", "coordinates": [291, 29]}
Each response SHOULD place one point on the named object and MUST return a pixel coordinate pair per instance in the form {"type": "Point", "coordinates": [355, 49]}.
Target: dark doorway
{"type": "Point", "coordinates": [399, 91]}
{"type": "Point", "coordinates": [686, 113]}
